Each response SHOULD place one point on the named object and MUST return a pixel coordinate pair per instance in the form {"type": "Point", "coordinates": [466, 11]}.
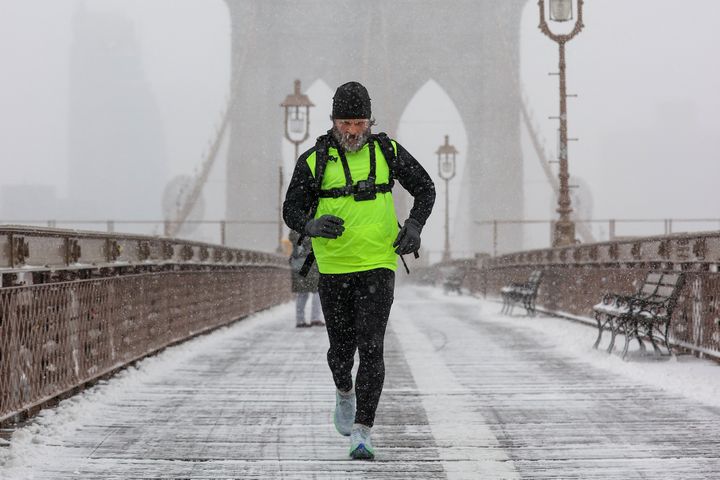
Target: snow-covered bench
{"type": "Point", "coordinates": [646, 314]}
{"type": "Point", "coordinates": [525, 292]}
{"type": "Point", "coordinates": [453, 284]}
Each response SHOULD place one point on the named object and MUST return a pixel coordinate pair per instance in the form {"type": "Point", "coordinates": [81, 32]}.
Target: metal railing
{"type": "Point", "coordinates": [539, 231]}
{"type": "Point", "coordinates": [214, 231]}
{"type": "Point", "coordinates": [575, 278]}
{"type": "Point", "coordinates": [77, 305]}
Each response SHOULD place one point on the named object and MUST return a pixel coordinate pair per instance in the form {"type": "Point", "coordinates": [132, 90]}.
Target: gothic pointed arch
{"type": "Point", "coordinates": [428, 117]}
{"type": "Point", "coordinates": [469, 47]}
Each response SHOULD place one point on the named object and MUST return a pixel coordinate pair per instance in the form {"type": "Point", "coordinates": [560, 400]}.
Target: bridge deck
{"type": "Point", "coordinates": [468, 395]}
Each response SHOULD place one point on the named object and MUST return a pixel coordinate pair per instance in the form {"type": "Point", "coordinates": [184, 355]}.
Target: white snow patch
{"type": "Point", "coordinates": [36, 444]}
{"type": "Point", "coordinates": [688, 376]}
{"type": "Point", "coordinates": [466, 444]}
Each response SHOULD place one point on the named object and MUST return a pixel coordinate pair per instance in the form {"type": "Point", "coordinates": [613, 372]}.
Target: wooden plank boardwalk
{"type": "Point", "coordinates": [464, 398]}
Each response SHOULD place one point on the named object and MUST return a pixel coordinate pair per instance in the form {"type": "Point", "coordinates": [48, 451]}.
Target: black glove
{"type": "Point", "coordinates": [408, 239]}
{"type": "Point", "coordinates": [327, 226]}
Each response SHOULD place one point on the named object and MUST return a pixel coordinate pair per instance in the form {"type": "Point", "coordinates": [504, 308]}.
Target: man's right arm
{"type": "Point", "coordinates": [301, 195]}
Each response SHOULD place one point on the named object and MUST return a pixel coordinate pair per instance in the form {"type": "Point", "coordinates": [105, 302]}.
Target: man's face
{"type": "Point", "coordinates": [351, 133]}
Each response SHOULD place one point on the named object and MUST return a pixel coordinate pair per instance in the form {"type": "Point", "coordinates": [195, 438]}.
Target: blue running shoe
{"type": "Point", "coordinates": [344, 412]}
{"type": "Point", "coordinates": [360, 444]}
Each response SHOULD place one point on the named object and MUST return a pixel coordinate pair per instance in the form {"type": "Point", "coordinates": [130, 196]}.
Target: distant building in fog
{"type": "Point", "coordinates": [19, 203]}
{"type": "Point", "coordinates": [116, 141]}
{"type": "Point", "coordinates": [474, 58]}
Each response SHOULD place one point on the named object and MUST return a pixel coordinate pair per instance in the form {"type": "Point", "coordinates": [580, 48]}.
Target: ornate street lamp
{"type": "Point", "coordinates": [562, 11]}
{"type": "Point", "coordinates": [297, 117]}
{"type": "Point", "coordinates": [446, 170]}
{"type": "Point", "coordinates": [297, 130]}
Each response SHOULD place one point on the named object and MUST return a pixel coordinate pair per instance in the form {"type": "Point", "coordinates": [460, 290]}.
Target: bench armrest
{"type": "Point", "coordinates": [617, 300]}
{"type": "Point", "coordinates": [654, 309]}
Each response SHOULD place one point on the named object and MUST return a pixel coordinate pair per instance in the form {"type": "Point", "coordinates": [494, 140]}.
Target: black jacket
{"type": "Point", "coordinates": [302, 192]}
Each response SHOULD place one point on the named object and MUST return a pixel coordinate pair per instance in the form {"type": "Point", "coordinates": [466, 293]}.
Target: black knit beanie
{"type": "Point", "coordinates": [351, 101]}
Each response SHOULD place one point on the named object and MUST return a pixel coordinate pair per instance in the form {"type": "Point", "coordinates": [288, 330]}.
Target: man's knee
{"type": "Point", "coordinates": [371, 351]}
{"type": "Point", "coordinates": [340, 354]}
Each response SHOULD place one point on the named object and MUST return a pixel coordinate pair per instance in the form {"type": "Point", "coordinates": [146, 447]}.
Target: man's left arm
{"type": "Point", "coordinates": [415, 179]}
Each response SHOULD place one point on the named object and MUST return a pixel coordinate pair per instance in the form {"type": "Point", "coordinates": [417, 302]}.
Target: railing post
{"type": "Point", "coordinates": [280, 204]}
{"type": "Point", "coordinates": [110, 226]}
{"type": "Point", "coordinates": [495, 237]}
{"type": "Point", "coordinates": [611, 229]}
{"type": "Point", "coordinates": [222, 232]}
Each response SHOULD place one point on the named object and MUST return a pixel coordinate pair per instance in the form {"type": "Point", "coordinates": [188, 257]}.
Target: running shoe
{"type": "Point", "coordinates": [360, 444]}
{"type": "Point", "coordinates": [344, 412]}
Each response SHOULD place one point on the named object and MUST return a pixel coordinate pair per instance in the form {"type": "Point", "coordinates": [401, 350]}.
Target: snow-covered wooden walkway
{"type": "Point", "coordinates": [468, 394]}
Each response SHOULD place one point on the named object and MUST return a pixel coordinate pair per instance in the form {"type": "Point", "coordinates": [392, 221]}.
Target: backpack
{"type": "Point", "coordinates": [321, 158]}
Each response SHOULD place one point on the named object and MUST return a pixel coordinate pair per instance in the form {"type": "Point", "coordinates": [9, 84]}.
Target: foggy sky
{"type": "Point", "coordinates": [646, 73]}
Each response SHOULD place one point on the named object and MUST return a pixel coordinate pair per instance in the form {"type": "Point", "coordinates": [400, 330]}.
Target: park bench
{"type": "Point", "coordinates": [453, 276]}
{"type": "Point", "coordinates": [525, 292]}
{"type": "Point", "coordinates": [453, 283]}
{"type": "Point", "coordinates": [643, 315]}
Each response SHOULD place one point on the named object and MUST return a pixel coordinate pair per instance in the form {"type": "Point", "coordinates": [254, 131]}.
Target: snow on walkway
{"type": "Point", "coordinates": [469, 394]}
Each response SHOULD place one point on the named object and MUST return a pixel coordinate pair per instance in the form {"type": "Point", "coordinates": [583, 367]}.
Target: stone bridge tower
{"type": "Point", "coordinates": [469, 47]}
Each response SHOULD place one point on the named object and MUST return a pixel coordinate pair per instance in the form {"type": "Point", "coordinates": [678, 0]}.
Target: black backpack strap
{"type": "Point", "coordinates": [373, 163]}
{"type": "Point", "coordinates": [388, 152]}
{"type": "Point", "coordinates": [308, 263]}
{"type": "Point", "coordinates": [321, 158]}
{"type": "Point", "coordinates": [346, 191]}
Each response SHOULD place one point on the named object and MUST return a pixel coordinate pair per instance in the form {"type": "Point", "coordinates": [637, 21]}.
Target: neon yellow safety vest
{"type": "Point", "coordinates": [371, 226]}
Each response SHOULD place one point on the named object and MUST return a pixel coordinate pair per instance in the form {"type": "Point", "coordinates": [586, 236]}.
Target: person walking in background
{"type": "Point", "coordinates": [304, 286]}
{"type": "Point", "coordinates": [341, 196]}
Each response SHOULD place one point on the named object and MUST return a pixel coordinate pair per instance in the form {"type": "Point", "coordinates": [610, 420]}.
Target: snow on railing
{"type": "Point", "coordinates": [76, 306]}
{"type": "Point", "coordinates": [576, 278]}
{"type": "Point", "coordinates": [31, 255]}
{"type": "Point", "coordinates": [677, 249]}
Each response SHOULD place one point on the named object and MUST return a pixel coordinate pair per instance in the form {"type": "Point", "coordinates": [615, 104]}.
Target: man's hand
{"type": "Point", "coordinates": [327, 226]}
{"type": "Point", "coordinates": [408, 239]}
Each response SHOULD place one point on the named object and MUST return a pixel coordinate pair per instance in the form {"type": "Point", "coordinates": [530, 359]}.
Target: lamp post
{"type": "Point", "coordinates": [446, 170]}
{"type": "Point", "coordinates": [297, 130]}
{"type": "Point", "coordinates": [297, 117]}
{"type": "Point", "coordinates": [562, 11]}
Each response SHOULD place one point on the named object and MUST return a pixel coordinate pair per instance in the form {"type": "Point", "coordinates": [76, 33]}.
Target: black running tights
{"type": "Point", "coordinates": [356, 307]}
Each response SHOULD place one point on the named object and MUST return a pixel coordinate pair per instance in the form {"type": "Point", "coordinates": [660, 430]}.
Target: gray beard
{"type": "Point", "coordinates": [351, 143]}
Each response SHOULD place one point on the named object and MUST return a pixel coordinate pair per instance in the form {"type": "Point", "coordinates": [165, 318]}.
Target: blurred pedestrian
{"type": "Point", "coordinates": [306, 287]}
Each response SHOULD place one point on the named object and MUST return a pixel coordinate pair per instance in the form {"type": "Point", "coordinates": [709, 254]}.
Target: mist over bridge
{"type": "Point", "coordinates": [251, 400]}
{"type": "Point", "coordinates": [390, 48]}
{"type": "Point", "coordinates": [469, 393]}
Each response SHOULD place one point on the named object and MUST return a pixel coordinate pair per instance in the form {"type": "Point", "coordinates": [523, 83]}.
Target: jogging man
{"type": "Point", "coordinates": [341, 196]}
